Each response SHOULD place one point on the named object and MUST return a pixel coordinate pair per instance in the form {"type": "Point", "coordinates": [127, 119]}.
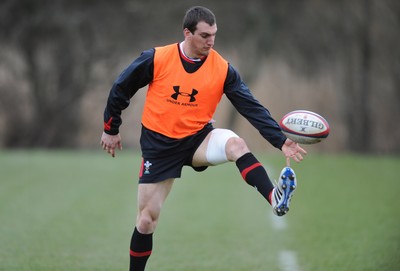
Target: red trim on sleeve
{"type": "Point", "coordinates": [107, 125]}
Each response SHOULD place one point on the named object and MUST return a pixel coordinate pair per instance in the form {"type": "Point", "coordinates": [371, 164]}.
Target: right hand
{"type": "Point", "coordinates": [292, 150]}
{"type": "Point", "coordinates": [110, 142]}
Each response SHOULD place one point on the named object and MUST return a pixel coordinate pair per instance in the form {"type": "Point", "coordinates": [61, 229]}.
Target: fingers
{"type": "Point", "coordinates": [110, 148]}
{"type": "Point", "coordinates": [110, 142]}
{"type": "Point", "coordinates": [303, 151]}
{"type": "Point", "coordinates": [296, 154]}
{"type": "Point", "coordinates": [296, 157]}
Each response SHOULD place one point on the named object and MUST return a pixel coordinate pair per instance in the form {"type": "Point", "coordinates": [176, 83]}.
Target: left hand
{"type": "Point", "coordinates": [292, 150]}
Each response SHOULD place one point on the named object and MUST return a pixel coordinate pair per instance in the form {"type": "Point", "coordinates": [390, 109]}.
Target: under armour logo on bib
{"type": "Point", "coordinates": [185, 94]}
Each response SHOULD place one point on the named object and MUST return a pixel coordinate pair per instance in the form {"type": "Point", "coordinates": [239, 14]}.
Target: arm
{"type": "Point", "coordinates": [137, 75]}
{"type": "Point", "coordinates": [249, 107]}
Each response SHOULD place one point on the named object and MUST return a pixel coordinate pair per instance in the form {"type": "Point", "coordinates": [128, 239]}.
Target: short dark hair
{"type": "Point", "coordinates": [197, 14]}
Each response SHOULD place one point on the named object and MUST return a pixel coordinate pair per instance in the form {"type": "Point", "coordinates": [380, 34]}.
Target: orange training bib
{"type": "Point", "coordinates": [179, 104]}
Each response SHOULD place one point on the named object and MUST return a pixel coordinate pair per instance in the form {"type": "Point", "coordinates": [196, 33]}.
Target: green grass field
{"type": "Point", "coordinates": [76, 210]}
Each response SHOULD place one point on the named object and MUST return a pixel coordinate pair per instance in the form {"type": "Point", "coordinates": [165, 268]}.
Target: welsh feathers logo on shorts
{"type": "Point", "coordinates": [147, 166]}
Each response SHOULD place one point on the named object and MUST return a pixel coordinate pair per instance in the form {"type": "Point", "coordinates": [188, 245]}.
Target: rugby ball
{"type": "Point", "coordinates": [304, 127]}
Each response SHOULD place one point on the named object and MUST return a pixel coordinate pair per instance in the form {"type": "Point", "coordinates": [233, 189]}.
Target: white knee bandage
{"type": "Point", "coordinates": [216, 146]}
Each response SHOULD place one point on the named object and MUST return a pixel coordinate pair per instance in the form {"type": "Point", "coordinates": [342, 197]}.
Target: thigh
{"type": "Point", "coordinates": [200, 155]}
{"type": "Point", "coordinates": [151, 196]}
{"type": "Point", "coordinates": [212, 151]}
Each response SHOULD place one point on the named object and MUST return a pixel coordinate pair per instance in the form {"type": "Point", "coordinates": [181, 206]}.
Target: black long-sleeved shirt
{"type": "Point", "coordinates": [140, 73]}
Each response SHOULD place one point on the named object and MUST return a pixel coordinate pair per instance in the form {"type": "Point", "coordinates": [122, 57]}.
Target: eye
{"type": "Point", "coordinates": [204, 35]}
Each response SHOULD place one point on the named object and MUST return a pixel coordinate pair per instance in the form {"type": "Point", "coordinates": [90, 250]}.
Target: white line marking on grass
{"type": "Point", "coordinates": [278, 222]}
{"type": "Point", "coordinates": [288, 261]}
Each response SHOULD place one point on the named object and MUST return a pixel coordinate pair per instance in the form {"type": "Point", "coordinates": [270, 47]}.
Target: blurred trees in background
{"type": "Point", "coordinates": [58, 59]}
{"type": "Point", "coordinates": [41, 100]}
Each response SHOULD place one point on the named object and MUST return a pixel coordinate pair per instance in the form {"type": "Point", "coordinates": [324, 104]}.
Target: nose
{"type": "Point", "coordinates": [210, 41]}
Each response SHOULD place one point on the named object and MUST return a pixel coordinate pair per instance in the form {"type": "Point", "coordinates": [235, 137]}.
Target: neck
{"type": "Point", "coordinates": [186, 52]}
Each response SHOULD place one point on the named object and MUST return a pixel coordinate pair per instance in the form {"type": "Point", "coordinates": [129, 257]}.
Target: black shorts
{"type": "Point", "coordinates": [164, 157]}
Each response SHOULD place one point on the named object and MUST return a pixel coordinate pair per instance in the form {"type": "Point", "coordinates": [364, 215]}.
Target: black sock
{"type": "Point", "coordinates": [255, 175]}
{"type": "Point", "coordinates": [141, 246]}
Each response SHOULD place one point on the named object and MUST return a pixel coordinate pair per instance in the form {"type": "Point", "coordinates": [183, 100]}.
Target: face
{"type": "Point", "coordinates": [201, 41]}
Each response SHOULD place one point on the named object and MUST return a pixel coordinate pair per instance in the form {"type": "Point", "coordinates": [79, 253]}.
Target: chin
{"type": "Point", "coordinates": [206, 53]}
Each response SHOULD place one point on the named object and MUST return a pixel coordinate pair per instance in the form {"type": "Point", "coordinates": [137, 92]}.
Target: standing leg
{"type": "Point", "coordinates": [151, 197]}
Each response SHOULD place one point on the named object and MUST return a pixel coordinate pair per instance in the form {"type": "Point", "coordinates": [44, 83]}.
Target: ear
{"type": "Point", "coordinates": [186, 33]}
